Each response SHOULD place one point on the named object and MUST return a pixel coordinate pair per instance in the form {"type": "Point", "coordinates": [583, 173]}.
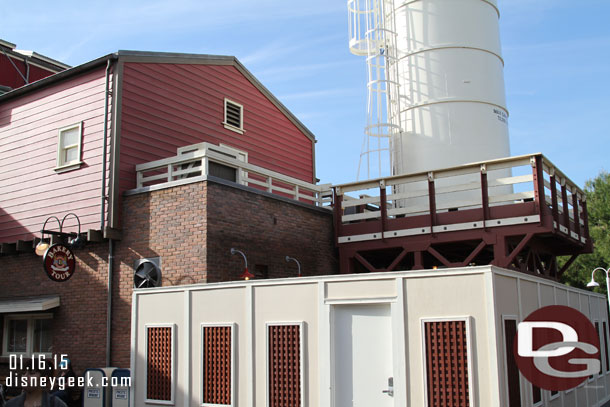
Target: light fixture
{"type": "Point", "coordinates": [593, 283]}
{"type": "Point", "coordinates": [288, 258]}
{"type": "Point", "coordinates": [75, 240]}
{"type": "Point", "coordinates": [43, 245]}
{"type": "Point", "coordinates": [246, 275]}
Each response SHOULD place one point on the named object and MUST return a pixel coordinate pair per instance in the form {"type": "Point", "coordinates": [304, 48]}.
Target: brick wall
{"type": "Point", "coordinates": [192, 229]}
{"type": "Point", "coordinates": [170, 224]}
{"type": "Point", "coordinates": [267, 230]}
{"type": "Point", "coordinates": [79, 323]}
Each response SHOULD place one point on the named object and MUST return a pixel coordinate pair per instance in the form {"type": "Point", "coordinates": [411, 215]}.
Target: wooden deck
{"type": "Point", "coordinates": [518, 212]}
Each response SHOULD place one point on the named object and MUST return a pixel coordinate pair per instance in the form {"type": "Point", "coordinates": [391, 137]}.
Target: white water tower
{"type": "Point", "coordinates": [436, 83]}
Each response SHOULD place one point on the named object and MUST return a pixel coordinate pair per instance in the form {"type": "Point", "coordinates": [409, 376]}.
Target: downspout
{"type": "Point", "coordinates": [105, 147]}
{"type": "Point", "coordinates": [109, 310]}
{"type": "Point", "coordinates": [107, 94]}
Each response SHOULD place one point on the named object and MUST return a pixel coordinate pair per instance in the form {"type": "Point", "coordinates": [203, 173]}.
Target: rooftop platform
{"type": "Point", "coordinates": [518, 213]}
{"type": "Point", "coordinates": [195, 162]}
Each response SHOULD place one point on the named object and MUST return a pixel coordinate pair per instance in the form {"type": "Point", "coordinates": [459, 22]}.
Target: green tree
{"type": "Point", "coordinates": [598, 205]}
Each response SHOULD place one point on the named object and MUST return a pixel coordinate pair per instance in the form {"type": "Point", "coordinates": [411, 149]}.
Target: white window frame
{"type": "Point", "coordinates": [228, 126]}
{"type": "Point", "coordinates": [468, 321]}
{"type": "Point", "coordinates": [606, 344]}
{"type": "Point", "coordinates": [172, 400]}
{"type": "Point", "coordinates": [301, 325]}
{"type": "Point", "coordinates": [505, 350]}
{"type": "Point", "coordinates": [233, 326]}
{"type": "Point", "coordinates": [61, 165]}
{"type": "Point", "coordinates": [541, 402]}
{"type": "Point", "coordinates": [600, 329]}
{"type": "Point", "coordinates": [553, 396]}
{"type": "Point", "coordinates": [30, 333]}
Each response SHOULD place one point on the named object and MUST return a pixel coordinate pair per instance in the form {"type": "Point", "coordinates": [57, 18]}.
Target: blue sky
{"type": "Point", "coordinates": [556, 52]}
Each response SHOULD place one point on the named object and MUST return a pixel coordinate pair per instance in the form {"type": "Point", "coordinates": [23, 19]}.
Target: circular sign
{"type": "Point", "coordinates": [59, 263]}
{"type": "Point", "coordinates": [557, 348]}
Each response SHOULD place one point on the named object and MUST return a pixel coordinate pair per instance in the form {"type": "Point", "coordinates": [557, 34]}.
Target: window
{"type": "Point", "coordinates": [536, 395]}
{"type": "Point", "coordinates": [601, 368]}
{"type": "Point", "coordinates": [160, 364]}
{"type": "Point", "coordinates": [234, 117]}
{"type": "Point", "coordinates": [447, 362]}
{"type": "Point", "coordinates": [222, 171]}
{"type": "Point", "coordinates": [512, 371]}
{"type": "Point", "coordinates": [27, 334]}
{"type": "Point", "coordinates": [217, 368]}
{"type": "Point", "coordinates": [605, 342]}
{"type": "Point", "coordinates": [284, 365]}
{"type": "Point", "coordinates": [69, 148]}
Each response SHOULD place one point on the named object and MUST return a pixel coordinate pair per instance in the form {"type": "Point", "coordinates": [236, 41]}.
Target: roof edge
{"type": "Point", "coordinates": [49, 80]}
{"type": "Point", "coordinates": [274, 100]}
{"type": "Point", "coordinates": [128, 55]}
{"type": "Point", "coordinates": [136, 56]}
{"type": "Point", "coordinates": [43, 58]}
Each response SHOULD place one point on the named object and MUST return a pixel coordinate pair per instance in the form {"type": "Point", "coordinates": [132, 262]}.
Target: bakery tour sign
{"type": "Point", "coordinates": [59, 262]}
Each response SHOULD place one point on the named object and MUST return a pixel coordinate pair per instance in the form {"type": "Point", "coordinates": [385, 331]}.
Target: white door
{"type": "Point", "coordinates": [362, 346]}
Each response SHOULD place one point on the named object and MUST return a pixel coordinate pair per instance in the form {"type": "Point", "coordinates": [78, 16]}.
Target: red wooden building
{"type": "Point", "coordinates": [19, 68]}
{"type": "Point", "coordinates": [172, 157]}
{"type": "Point", "coordinates": [136, 107]}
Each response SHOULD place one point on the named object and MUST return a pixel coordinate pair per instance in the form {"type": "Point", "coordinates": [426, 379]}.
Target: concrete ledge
{"type": "Point", "coordinates": [220, 181]}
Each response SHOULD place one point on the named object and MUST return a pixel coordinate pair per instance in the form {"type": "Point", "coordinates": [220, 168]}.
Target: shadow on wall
{"type": "Point", "coordinates": [6, 116]}
{"type": "Point", "coordinates": [78, 326]}
{"type": "Point", "coordinates": [267, 230]}
{"type": "Point", "coordinates": [167, 224]}
{"type": "Point", "coordinates": [12, 230]}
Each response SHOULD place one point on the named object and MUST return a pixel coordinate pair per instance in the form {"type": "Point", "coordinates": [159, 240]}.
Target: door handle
{"type": "Point", "coordinates": [390, 390]}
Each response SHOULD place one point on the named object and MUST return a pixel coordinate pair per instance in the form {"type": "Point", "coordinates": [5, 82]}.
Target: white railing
{"type": "Point", "coordinates": [459, 188]}
{"type": "Point", "coordinates": [187, 168]}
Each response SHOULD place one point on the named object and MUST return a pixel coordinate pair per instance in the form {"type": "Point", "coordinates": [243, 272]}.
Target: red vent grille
{"type": "Point", "coordinates": [284, 366]}
{"type": "Point", "coordinates": [217, 364]}
{"type": "Point", "coordinates": [447, 364]}
{"type": "Point", "coordinates": [159, 364]}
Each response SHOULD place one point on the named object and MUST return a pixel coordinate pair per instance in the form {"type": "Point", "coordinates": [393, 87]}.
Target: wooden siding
{"type": "Point", "coordinates": [30, 189]}
{"type": "Point", "coordinates": [166, 106]}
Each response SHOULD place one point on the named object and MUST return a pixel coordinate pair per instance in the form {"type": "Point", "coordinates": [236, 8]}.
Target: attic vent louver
{"type": "Point", "coordinates": [233, 116]}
